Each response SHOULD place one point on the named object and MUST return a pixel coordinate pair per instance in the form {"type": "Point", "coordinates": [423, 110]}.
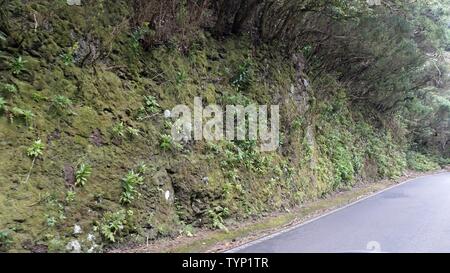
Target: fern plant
{"type": "Point", "coordinates": [26, 115]}
{"type": "Point", "coordinates": [34, 151]}
{"type": "Point", "coordinates": [114, 224]}
{"type": "Point", "coordinates": [61, 104]}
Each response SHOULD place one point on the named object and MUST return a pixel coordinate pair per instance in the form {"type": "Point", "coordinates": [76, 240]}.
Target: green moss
{"type": "Point", "coordinates": [325, 150]}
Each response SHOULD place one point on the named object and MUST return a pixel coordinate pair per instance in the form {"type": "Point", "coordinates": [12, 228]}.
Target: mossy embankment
{"type": "Point", "coordinates": [82, 85]}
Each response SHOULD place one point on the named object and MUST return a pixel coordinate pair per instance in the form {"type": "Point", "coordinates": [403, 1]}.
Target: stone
{"type": "Point", "coordinates": [74, 2]}
{"type": "Point", "coordinates": [74, 246]}
{"type": "Point", "coordinates": [306, 83]}
{"type": "Point", "coordinates": [167, 195]}
{"type": "Point", "coordinates": [77, 230]}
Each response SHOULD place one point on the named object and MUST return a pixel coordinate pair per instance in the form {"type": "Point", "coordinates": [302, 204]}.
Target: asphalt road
{"type": "Point", "coordinates": [411, 217]}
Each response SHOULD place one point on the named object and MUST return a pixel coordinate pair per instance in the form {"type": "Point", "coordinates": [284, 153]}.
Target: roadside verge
{"type": "Point", "coordinates": [273, 224]}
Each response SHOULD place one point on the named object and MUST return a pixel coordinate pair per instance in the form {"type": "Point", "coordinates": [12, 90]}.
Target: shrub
{"type": "Point", "coordinates": [420, 162]}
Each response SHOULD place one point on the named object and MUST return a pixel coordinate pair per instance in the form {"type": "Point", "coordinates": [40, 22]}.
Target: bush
{"type": "Point", "coordinates": [420, 162]}
{"type": "Point", "coordinates": [115, 224]}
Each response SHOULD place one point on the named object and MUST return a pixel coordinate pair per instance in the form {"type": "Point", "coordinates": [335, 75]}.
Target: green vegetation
{"type": "Point", "coordinates": [5, 240]}
{"type": "Point", "coordinates": [19, 113]}
{"type": "Point", "coordinates": [129, 187]}
{"type": "Point", "coordinates": [93, 82]}
{"type": "Point", "coordinates": [2, 104]}
{"type": "Point", "coordinates": [34, 151]}
{"type": "Point", "coordinates": [8, 89]}
{"type": "Point", "coordinates": [18, 65]}
{"type": "Point", "coordinates": [68, 57]}
{"type": "Point", "coordinates": [70, 197]}
{"type": "Point", "coordinates": [61, 104]}
{"type": "Point", "coordinates": [115, 224]}
{"type": "Point", "coordinates": [420, 162]}
{"type": "Point", "coordinates": [82, 174]}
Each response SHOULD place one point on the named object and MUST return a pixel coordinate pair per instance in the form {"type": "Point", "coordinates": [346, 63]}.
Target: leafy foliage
{"type": "Point", "coordinates": [36, 149]}
{"type": "Point", "coordinates": [5, 239]}
{"type": "Point", "coordinates": [82, 174]}
{"type": "Point", "coordinates": [114, 224]}
{"type": "Point", "coordinates": [129, 186]}
{"type": "Point", "coordinates": [18, 65]}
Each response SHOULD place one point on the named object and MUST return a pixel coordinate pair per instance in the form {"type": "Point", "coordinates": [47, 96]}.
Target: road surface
{"type": "Point", "coordinates": [411, 217]}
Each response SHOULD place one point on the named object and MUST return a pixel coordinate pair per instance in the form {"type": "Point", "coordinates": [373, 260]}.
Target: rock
{"type": "Point", "coordinates": [205, 179]}
{"type": "Point", "coordinates": [74, 2]}
{"type": "Point", "coordinates": [74, 246]}
{"type": "Point", "coordinates": [91, 237]}
{"type": "Point", "coordinates": [305, 82]}
{"type": "Point", "coordinates": [167, 195]}
{"type": "Point", "coordinates": [96, 137]}
{"type": "Point", "coordinates": [77, 230]}
{"type": "Point", "coordinates": [167, 114]}
{"type": "Point", "coordinates": [69, 175]}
